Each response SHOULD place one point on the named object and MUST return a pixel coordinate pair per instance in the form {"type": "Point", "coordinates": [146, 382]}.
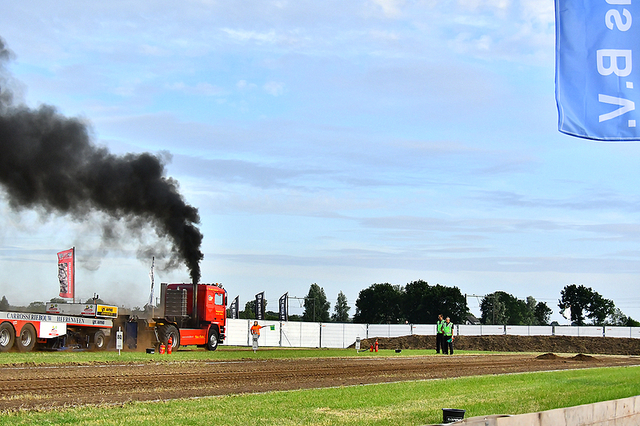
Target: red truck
{"type": "Point", "coordinates": [189, 317]}
{"type": "Point", "coordinates": [192, 317]}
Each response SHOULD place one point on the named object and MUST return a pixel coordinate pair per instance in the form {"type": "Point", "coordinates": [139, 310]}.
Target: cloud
{"type": "Point", "coordinates": [370, 259]}
{"type": "Point", "coordinates": [391, 8]}
{"type": "Point", "coordinates": [244, 85]}
{"type": "Point", "coordinates": [200, 89]}
{"type": "Point", "coordinates": [274, 88]}
{"type": "Point", "coordinates": [578, 202]}
{"type": "Point", "coordinates": [244, 172]}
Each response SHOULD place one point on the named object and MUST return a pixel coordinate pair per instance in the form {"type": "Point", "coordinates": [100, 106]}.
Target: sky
{"type": "Point", "coordinates": [337, 143]}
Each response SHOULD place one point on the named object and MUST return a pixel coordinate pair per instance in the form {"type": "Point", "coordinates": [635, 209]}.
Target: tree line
{"type": "Point", "coordinates": [421, 303]}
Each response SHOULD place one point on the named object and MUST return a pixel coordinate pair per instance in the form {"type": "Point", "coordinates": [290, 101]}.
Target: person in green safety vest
{"type": "Point", "coordinates": [439, 334]}
{"type": "Point", "coordinates": [447, 329]}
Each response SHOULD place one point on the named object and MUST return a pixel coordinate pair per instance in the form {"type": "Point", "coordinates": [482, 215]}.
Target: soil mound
{"type": "Point", "coordinates": [547, 356]}
{"type": "Point", "coordinates": [583, 357]}
{"type": "Point", "coordinates": [508, 343]}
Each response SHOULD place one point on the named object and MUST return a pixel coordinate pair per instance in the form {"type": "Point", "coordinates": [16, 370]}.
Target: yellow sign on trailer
{"type": "Point", "coordinates": [107, 311]}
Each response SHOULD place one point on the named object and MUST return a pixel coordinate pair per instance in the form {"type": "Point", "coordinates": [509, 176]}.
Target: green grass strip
{"type": "Point", "coordinates": [406, 403]}
{"type": "Point", "coordinates": [221, 354]}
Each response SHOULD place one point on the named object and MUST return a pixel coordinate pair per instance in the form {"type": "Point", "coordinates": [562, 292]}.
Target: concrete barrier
{"type": "Point", "coordinates": [619, 412]}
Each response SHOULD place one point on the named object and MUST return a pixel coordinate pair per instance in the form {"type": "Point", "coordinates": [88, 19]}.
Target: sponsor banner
{"type": "Point", "coordinates": [259, 308]}
{"type": "Point", "coordinates": [234, 309]}
{"type": "Point", "coordinates": [596, 68]}
{"type": "Point", "coordinates": [284, 307]}
{"type": "Point", "coordinates": [87, 310]}
{"type": "Point", "coordinates": [107, 311]}
{"type": "Point", "coordinates": [66, 273]}
{"type": "Point", "coordinates": [50, 330]}
{"type": "Point", "coordinates": [53, 308]}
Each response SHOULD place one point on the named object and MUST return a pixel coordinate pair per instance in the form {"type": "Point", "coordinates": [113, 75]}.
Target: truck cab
{"type": "Point", "coordinates": [192, 317]}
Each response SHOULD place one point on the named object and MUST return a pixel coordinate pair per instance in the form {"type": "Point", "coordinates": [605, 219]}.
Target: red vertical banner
{"type": "Point", "coordinates": [66, 273]}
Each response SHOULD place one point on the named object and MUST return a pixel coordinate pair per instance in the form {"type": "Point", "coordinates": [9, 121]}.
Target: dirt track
{"type": "Point", "coordinates": [30, 387]}
{"type": "Point", "coordinates": [510, 343]}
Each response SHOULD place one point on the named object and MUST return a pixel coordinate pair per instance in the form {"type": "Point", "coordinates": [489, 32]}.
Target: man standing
{"type": "Point", "coordinates": [255, 333]}
{"type": "Point", "coordinates": [439, 335]}
{"type": "Point", "coordinates": [447, 330]}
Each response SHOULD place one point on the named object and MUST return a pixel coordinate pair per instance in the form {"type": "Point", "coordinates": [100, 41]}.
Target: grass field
{"type": "Point", "coordinates": [407, 403]}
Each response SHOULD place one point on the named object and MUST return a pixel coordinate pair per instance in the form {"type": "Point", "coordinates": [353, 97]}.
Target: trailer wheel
{"type": "Point", "coordinates": [99, 340]}
{"type": "Point", "coordinates": [164, 331]}
{"type": "Point", "coordinates": [7, 336]}
{"type": "Point", "coordinates": [212, 341]}
{"type": "Point", "coordinates": [27, 338]}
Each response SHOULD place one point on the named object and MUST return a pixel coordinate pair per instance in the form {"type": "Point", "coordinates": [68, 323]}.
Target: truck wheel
{"type": "Point", "coordinates": [99, 341]}
{"type": "Point", "coordinates": [212, 341]}
{"type": "Point", "coordinates": [7, 336]}
{"type": "Point", "coordinates": [27, 338]}
{"type": "Point", "coordinates": [164, 331]}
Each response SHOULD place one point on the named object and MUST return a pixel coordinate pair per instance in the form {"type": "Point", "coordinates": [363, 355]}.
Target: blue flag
{"type": "Point", "coordinates": [596, 67]}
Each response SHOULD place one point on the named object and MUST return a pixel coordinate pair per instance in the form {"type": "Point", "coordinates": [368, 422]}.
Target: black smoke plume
{"type": "Point", "coordinates": [48, 163]}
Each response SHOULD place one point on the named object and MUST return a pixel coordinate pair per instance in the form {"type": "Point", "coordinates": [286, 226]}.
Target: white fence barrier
{"type": "Point", "coordinates": [579, 331]}
{"type": "Point", "coordinates": [529, 330]}
{"type": "Point", "coordinates": [300, 334]}
{"type": "Point", "coordinates": [480, 330]}
{"type": "Point", "coordinates": [295, 334]}
{"type": "Point", "coordinates": [424, 329]}
{"type": "Point", "coordinates": [389, 330]}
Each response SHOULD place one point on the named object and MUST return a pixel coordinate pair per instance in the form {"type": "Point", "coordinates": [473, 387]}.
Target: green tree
{"type": "Point", "coordinates": [250, 310]}
{"type": "Point", "coordinates": [542, 313]}
{"type": "Point", "coordinates": [4, 304]}
{"type": "Point", "coordinates": [492, 309]}
{"type": "Point", "coordinates": [497, 308]}
{"type": "Point", "coordinates": [503, 308]}
{"type": "Point", "coordinates": [585, 303]}
{"type": "Point", "coordinates": [620, 319]}
{"type": "Point", "coordinates": [341, 310]}
{"type": "Point", "coordinates": [600, 308]}
{"type": "Point", "coordinates": [271, 316]}
{"type": "Point", "coordinates": [316, 307]}
{"type": "Point", "coordinates": [631, 323]}
{"type": "Point", "coordinates": [37, 307]}
{"type": "Point", "coordinates": [422, 303]}
{"type": "Point", "coordinates": [379, 304]}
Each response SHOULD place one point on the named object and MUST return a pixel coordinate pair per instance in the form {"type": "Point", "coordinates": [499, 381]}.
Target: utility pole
{"type": "Point", "coordinates": [466, 296]}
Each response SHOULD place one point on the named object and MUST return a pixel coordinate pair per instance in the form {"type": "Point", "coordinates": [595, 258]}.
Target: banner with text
{"type": "Point", "coordinates": [235, 308]}
{"type": "Point", "coordinates": [595, 64]}
{"type": "Point", "coordinates": [66, 273]}
{"type": "Point", "coordinates": [283, 311]}
{"type": "Point", "coordinates": [259, 308]}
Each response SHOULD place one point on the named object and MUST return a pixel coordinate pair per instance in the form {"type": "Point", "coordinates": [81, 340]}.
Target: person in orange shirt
{"type": "Point", "coordinates": [255, 328]}
{"type": "Point", "coordinates": [255, 333]}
